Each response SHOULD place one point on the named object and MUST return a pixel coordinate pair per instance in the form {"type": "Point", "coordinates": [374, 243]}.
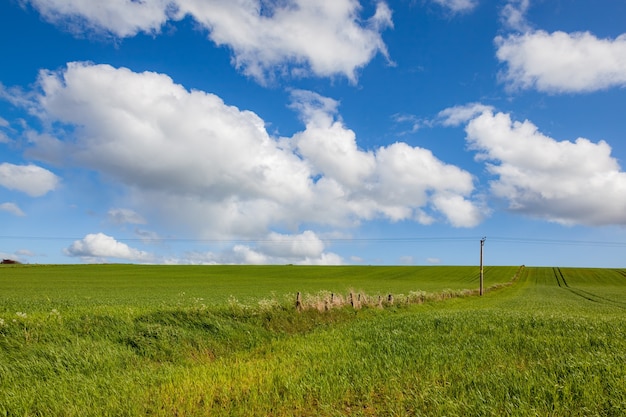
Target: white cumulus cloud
{"type": "Point", "coordinates": [30, 179]}
{"type": "Point", "coordinates": [304, 245]}
{"type": "Point", "coordinates": [100, 247]}
{"type": "Point", "coordinates": [193, 161]}
{"type": "Point", "coordinates": [562, 62]}
{"type": "Point", "coordinates": [119, 17]}
{"type": "Point", "coordinates": [567, 182]}
{"type": "Point", "coordinates": [322, 37]}
{"type": "Point", "coordinates": [302, 249]}
{"type": "Point", "coordinates": [398, 180]}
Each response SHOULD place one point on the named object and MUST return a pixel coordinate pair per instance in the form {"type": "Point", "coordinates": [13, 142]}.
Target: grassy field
{"type": "Point", "coordinates": [127, 340]}
{"type": "Point", "coordinates": [43, 288]}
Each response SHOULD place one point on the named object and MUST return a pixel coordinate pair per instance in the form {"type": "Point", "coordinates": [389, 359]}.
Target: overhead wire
{"type": "Point", "coordinates": [413, 239]}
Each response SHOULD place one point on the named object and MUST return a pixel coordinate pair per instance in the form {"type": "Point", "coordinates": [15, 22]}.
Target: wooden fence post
{"type": "Point", "coordinates": [298, 301]}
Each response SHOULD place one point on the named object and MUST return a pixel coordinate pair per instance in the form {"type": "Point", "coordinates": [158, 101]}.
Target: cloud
{"type": "Point", "coordinates": [302, 249]}
{"type": "Point", "coordinates": [415, 122]}
{"type": "Point", "coordinates": [459, 211]}
{"type": "Point", "coordinates": [398, 180]}
{"type": "Point", "coordinates": [356, 259]}
{"type": "Point", "coordinates": [324, 37]}
{"type": "Point", "coordinates": [201, 160]}
{"type": "Point", "coordinates": [203, 167]}
{"type": "Point", "coordinates": [306, 245]}
{"type": "Point", "coordinates": [148, 236]}
{"type": "Point", "coordinates": [327, 144]}
{"type": "Point", "coordinates": [3, 125]}
{"type": "Point", "coordinates": [297, 37]}
{"type": "Point", "coordinates": [457, 6]}
{"type": "Point", "coordinates": [561, 62]}
{"type": "Point", "coordinates": [458, 115]}
{"type": "Point", "coordinates": [123, 216]}
{"type": "Point", "coordinates": [121, 18]}
{"type": "Point", "coordinates": [19, 255]}
{"type": "Point", "coordinates": [11, 256]}
{"type": "Point", "coordinates": [30, 179]}
{"type": "Point", "coordinates": [566, 182]}
{"type": "Point", "coordinates": [99, 247]}
{"type": "Point", "coordinates": [12, 208]}
{"type": "Point", "coordinates": [24, 253]}
{"type": "Point", "coordinates": [410, 179]}
{"type": "Point", "coordinates": [513, 15]}
{"type": "Point", "coordinates": [407, 260]}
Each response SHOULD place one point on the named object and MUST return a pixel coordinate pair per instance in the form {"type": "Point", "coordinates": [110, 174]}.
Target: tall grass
{"type": "Point", "coordinates": [551, 344]}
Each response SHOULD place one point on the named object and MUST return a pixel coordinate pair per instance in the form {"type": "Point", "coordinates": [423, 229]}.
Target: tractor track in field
{"type": "Point", "coordinates": [562, 283]}
{"type": "Point", "coordinates": [621, 272]}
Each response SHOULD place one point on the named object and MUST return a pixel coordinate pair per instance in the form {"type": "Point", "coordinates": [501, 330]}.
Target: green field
{"type": "Point", "coordinates": [129, 340]}
{"type": "Point", "coordinates": [143, 286]}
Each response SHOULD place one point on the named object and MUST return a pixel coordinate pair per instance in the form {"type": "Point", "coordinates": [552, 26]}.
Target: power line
{"type": "Point", "coordinates": [431, 239]}
{"type": "Point", "coordinates": [233, 240]}
{"type": "Point", "coordinates": [565, 242]}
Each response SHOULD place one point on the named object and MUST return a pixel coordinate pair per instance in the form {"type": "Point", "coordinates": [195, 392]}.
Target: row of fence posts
{"type": "Point", "coordinates": [354, 303]}
{"type": "Point", "coordinates": [389, 299]}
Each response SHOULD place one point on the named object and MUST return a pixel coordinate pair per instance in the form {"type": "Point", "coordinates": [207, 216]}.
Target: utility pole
{"type": "Point", "coordinates": [482, 243]}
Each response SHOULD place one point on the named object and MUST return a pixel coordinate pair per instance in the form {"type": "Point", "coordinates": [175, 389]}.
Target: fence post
{"type": "Point", "coordinates": [298, 301]}
{"type": "Point", "coordinates": [482, 243]}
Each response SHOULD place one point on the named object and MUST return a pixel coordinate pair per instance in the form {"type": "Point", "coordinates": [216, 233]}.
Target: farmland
{"type": "Point", "coordinates": [129, 340]}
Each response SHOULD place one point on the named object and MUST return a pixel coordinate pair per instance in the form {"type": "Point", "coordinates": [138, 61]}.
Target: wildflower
{"type": "Point", "coordinates": [21, 315]}
{"type": "Point", "coordinates": [2, 322]}
{"type": "Point", "coordinates": [267, 305]}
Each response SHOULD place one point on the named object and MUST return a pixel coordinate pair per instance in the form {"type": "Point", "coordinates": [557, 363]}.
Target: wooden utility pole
{"type": "Point", "coordinates": [482, 243]}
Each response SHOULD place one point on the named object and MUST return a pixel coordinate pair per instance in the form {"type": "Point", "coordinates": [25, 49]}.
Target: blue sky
{"type": "Point", "coordinates": [313, 132]}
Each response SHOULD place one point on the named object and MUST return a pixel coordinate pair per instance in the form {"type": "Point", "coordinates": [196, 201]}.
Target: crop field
{"type": "Point", "coordinates": [144, 286]}
{"type": "Point", "coordinates": [130, 340]}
